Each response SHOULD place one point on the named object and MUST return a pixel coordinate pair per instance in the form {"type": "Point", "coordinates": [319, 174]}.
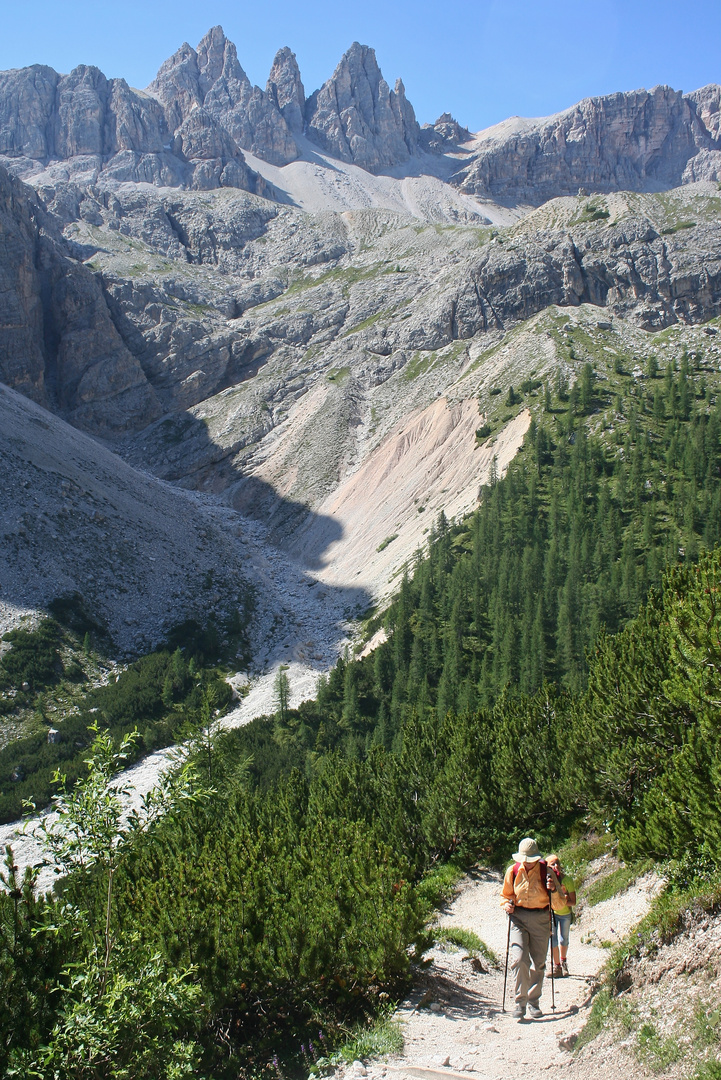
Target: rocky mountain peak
{"type": "Point", "coordinates": [211, 76]}
{"type": "Point", "coordinates": [707, 103]}
{"type": "Point", "coordinates": [357, 117]}
{"type": "Point", "coordinates": [177, 85]}
{"type": "Point", "coordinates": [215, 53]}
{"type": "Point", "coordinates": [636, 141]}
{"type": "Point", "coordinates": [286, 88]}
{"type": "Point", "coordinates": [444, 134]}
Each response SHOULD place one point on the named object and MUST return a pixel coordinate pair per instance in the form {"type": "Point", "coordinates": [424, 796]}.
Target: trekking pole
{"type": "Point", "coordinates": [505, 976]}
{"type": "Point", "coordinates": [551, 925]}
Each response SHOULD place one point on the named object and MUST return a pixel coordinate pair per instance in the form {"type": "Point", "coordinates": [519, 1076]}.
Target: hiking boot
{"type": "Point", "coordinates": [519, 1012]}
{"type": "Point", "coordinates": [564, 965]}
{"type": "Point", "coordinates": [533, 1010]}
{"type": "Point", "coordinates": [558, 972]}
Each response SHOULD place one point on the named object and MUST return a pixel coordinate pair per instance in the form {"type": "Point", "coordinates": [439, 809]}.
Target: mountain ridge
{"type": "Point", "coordinates": [198, 118]}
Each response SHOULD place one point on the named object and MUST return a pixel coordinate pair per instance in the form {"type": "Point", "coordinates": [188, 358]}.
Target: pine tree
{"type": "Point", "coordinates": [281, 688]}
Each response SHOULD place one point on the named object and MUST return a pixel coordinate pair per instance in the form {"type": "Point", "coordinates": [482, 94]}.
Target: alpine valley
{"type": "Point", "coordinates": [378, 464]}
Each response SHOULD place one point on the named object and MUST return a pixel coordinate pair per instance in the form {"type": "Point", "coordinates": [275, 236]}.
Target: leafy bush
{"type": "Point", "coordinates": [128, 1025]}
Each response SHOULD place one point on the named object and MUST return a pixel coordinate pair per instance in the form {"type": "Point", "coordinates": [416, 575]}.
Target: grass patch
{"type": "Point", "coordinates": [384, 1036]}
{"type": "Point", "coordinates": [678, 227]}
{"type": "Point", "coordinates": [466, 939]}
{"type": "Point", "coordinates": [654, 1051]}
{"type": "Point", "coordinates": [710, 1070]}
{"type": "Point", "coordinates": [365, 324]}
{"type": "Point", "coordinates": [590, 212]}
{"type": "Point", "coordinates": [377, 1037]}
{"type": "Point", "coordinates": [418, 365]}
{"type": "Point", "coordinates": [346, 276]}
{"type": "Point", "coordinates": [707, 1026]}
{"type": "Point", "coordinates": [597, 1021]}
{"type": "Point", "coordinates": [388, 540]}
{"type": "Point", "coordinates": [338, 375]}
{"type": "Point", "coordinates": [616, 882]}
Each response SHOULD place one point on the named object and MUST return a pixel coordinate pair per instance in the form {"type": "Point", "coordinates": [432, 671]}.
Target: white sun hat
{"type": "Point", "coordinates": [527, 851]}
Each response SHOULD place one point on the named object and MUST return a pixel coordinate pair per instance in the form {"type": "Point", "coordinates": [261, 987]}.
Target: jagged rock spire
{"type": "Point", "coordinates": [211, 76]}
{"type": "Point", "coordinates": [286, 88]}
{"type": "Point", "coordinates": [356, 116]}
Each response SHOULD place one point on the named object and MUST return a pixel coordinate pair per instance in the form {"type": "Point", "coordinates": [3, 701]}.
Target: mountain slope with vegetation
{"type": "Point", "coordinates": [507, 420]}
{"type": "Point", "coordinates": [291, 894]}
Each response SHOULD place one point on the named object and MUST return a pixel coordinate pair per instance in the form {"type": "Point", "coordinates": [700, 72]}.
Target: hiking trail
{"type": "Point", "coordinates": [452, 1021]}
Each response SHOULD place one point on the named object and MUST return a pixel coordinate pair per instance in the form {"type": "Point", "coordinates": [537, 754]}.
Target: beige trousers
{"type": "Point", "coordinates": [530, 932]}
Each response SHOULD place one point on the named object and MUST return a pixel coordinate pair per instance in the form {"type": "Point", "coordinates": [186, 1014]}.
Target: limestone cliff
{"type": "Point", "coordinates": [286, 89]}
{"type": "Point", "coordinates": [639, 141]}
{"type": "Point", "coordinates": [212, 77]}
{"type": "Point", "coordinates": [96, 127]}
{"type": "Point", "coordinates": [58, 344]}
{"type": "Point", "coordinates": [356, 117]}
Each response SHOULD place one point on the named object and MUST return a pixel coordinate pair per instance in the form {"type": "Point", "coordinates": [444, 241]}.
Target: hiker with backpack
{"type": "Point", "coordinates": [525, 897]}
{"type": "Point", "coordinates": [562, 901]}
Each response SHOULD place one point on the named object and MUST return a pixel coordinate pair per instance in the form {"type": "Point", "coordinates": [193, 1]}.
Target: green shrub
{"type": "Point", "coordinates": [33, 658]}
{"type": "Point", "coordinates": [382, 1036]}
{"type": "Point", "coordinates": [438, 886]}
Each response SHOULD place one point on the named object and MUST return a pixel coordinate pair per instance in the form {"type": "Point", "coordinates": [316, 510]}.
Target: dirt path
{"type": "Point", "coordinates": [452, 1022]}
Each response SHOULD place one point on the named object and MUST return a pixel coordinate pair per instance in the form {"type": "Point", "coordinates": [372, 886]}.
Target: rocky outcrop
{"type": "Point", "coordinates": [706, 165]}
{"type": "Point", "coordinates": [22, 356]}
{"type": "Point", "coordinates": [212, 77]}
{"type": "Point", "coordinates": [443, 135]}
{"type": "Point", "coordinates": [101, 127]}
{"type": "Point", "coordinates": [640, 141]}
{"type": "Point", "coordinates": [27, 99]}
{"type": "Point", "coordinates": [286, 89]}
{"type": "Point", "coordinates": [44, 115]}
{"type": "Point", "coordinates": [213, 154]}
{"type": "Point", "coordinates": [629, 269]}
{"type": "Point", "coordinates": [356, 117]}
{"type": "Point", "coordinates": [58, 343]}
{"type": "Point", "coordinates": [707, 103]}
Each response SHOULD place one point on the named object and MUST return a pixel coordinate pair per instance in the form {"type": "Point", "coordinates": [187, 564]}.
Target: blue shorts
{"type": "Point", "coordinates": [562, 925]}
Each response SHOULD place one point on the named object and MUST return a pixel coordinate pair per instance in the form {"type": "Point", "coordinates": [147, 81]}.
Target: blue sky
{"type": "Point", "coordinates": [482, 61]}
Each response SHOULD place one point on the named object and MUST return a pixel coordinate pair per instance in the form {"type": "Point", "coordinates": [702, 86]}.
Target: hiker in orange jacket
{"type": "Point", "coordinates": [526, 899]}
